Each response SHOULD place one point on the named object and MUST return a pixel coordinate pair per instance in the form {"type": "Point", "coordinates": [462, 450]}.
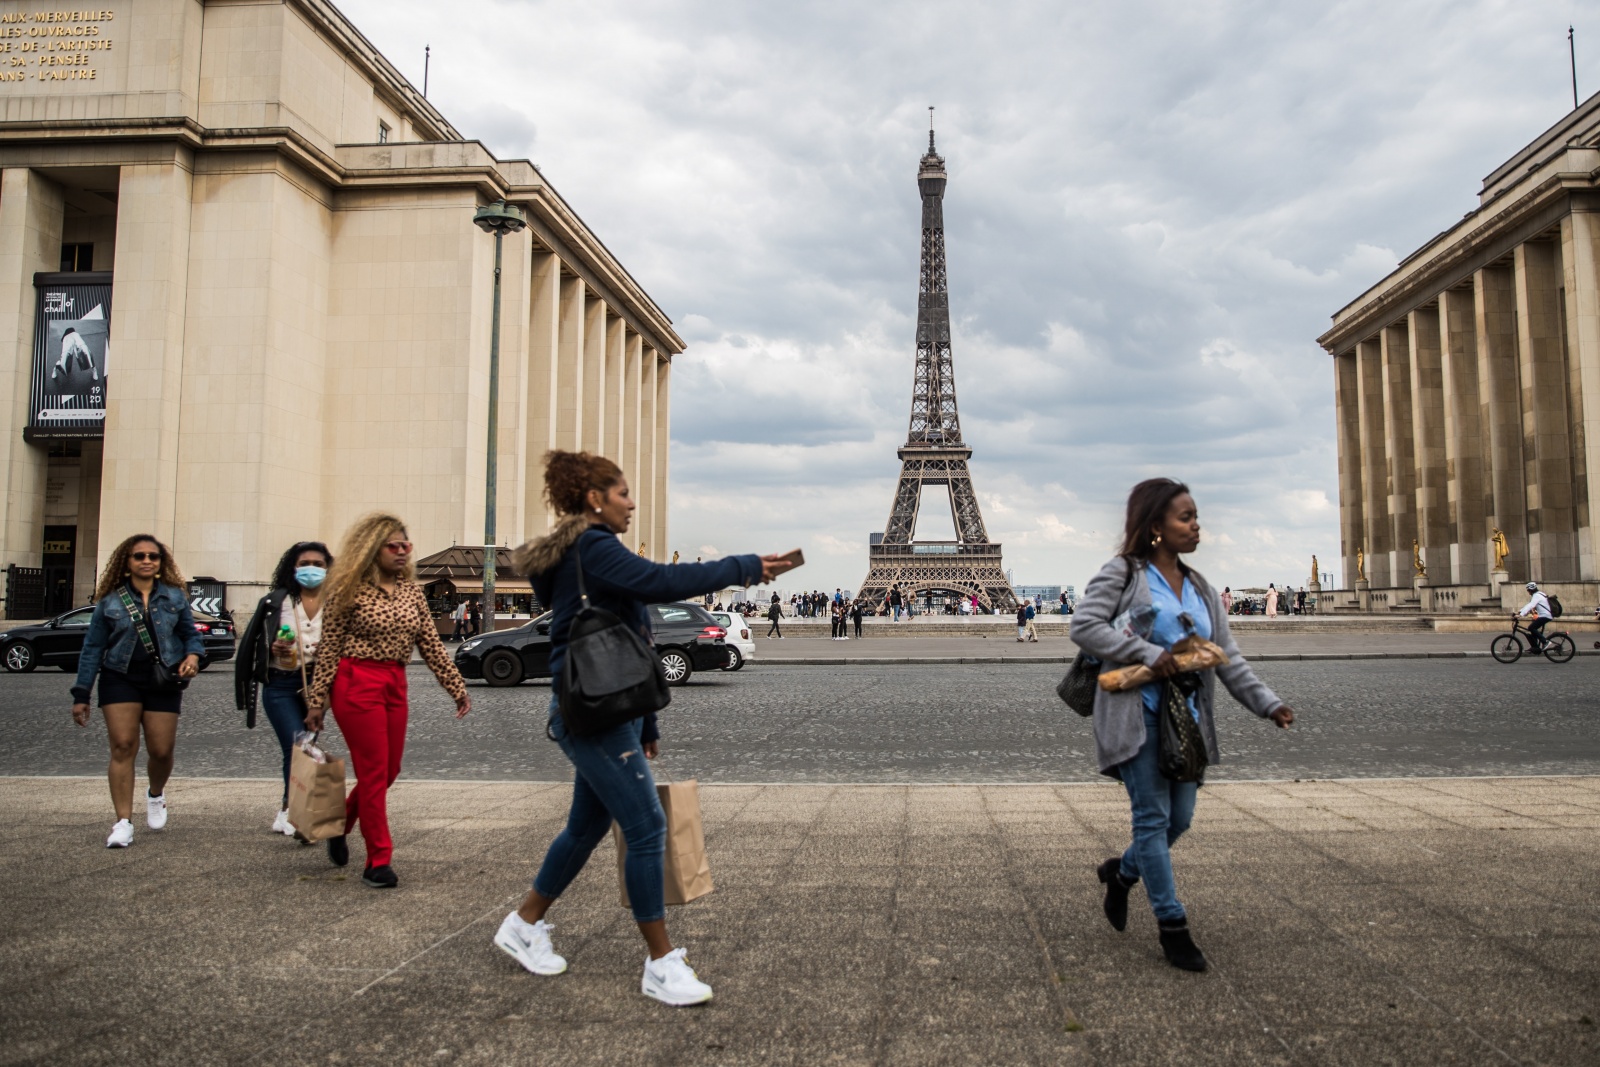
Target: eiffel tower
{"type": "Point", "coordinates": [934, 453]}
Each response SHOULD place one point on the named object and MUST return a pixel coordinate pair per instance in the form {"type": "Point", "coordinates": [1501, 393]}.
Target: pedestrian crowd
{"type": "Point", "coordinates": [336, 631]}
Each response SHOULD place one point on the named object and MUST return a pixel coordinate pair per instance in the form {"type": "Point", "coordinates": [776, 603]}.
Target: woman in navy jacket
{"type": "Point", "coordinates": [141, 582]}
{"type": "Point", "coordinates": [613, 780]}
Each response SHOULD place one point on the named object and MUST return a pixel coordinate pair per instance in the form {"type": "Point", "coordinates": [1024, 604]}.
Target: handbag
{"type": "Point", "coordinates": [611, 676]}
{"type": "Point", "coordinates": [1077, 688]}
{"type": "Point", "coordinates": [164, 679]}
{"type": "Point", "coordinates": [1180, 750]}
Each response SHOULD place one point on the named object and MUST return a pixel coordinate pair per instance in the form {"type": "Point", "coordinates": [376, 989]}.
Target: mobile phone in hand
{"type": "Point", "coordinates": [793, 559]}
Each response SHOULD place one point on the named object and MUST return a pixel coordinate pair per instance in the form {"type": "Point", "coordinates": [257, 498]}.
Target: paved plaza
{"type": "Point", "coordinates": [1421, 922]}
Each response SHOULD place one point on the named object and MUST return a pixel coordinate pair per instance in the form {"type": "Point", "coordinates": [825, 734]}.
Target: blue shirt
{"type": "Point", "coordinates": [1168, 629]}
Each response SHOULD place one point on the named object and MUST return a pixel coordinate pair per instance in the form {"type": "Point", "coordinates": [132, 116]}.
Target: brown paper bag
{"type": "Point", "coordinates": [688, 871]}
{"type": "Point", "coordinates": [316, 796]}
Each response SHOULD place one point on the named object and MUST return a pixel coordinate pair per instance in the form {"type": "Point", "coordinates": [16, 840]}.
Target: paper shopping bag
{"type": "Point", "coordinates": [316, 794]}
{"type": "Point", "coordinates": [688, 871]}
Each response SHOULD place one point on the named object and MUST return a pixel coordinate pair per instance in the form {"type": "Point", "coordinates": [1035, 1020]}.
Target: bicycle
{"type": "Point", "coordinates": [1508, 648]}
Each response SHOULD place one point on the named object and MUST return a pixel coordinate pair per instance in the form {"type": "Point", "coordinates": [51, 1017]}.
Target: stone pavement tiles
{"type": "Point", "coordinates": [1349, 922]}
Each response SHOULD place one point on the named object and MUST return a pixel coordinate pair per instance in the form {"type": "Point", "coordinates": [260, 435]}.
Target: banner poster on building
{"type": "Point", "coordinates": [71, 330]}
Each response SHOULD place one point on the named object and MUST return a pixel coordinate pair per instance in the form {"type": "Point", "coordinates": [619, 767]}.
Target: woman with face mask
{"type": "Point", "coordinates": [278, 652]}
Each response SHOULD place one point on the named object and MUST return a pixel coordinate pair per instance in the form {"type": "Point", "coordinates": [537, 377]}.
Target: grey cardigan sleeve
{"type": "Point", "coordinates": [1108, 595]}
{"type": "Point", "coordinates": [1238, 675]}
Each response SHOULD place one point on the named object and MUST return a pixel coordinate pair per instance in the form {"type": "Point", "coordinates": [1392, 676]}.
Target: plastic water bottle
{"type": "Point", "coordinates": [1136, 622]}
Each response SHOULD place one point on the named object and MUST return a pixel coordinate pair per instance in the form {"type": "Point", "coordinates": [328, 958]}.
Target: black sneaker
{"type": "Point", "coordinates": [1179, 947]}
{"type": "Point", "coordinates": [380, 877]}
{"type": "Point", "coordinates": [338, 851]}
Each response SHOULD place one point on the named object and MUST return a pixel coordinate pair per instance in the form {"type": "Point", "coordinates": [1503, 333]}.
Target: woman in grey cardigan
{"type": "Point", "coordinates": [1162, 525]}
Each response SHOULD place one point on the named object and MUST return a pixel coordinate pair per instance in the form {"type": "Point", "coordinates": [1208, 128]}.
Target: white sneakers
{"type": "Point", "coordinates": [121, 835]}
{"type": "Point", "coordinates": [529, 945]}
{"type": "Point", "coordinates": [155, 811]}
{"type": "Point", "coordinates": [282, 825]}
{"type": "Point", "coordinates": [672, 981]}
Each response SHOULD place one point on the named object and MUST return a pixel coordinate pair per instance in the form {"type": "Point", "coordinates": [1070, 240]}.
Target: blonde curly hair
{"type": "Point", "coordinates": [117, 566]}
{"type": "Point", "coordinates": [357, 561]}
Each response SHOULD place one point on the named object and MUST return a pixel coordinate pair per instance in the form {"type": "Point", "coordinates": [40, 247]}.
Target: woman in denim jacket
{"type": "Point", "coordinates": [1162, 525]}
{"type": "Point", "coordinates": [612, 782]}
{"type": "Point", "coordinates": [140, 573]}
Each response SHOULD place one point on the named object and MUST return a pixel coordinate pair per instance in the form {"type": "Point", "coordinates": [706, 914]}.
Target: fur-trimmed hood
{"type": "Point", "coordinates": [543, 553]}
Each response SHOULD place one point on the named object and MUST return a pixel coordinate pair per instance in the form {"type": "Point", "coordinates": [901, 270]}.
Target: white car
{"type": "Point", "coordinates": [741, 646]}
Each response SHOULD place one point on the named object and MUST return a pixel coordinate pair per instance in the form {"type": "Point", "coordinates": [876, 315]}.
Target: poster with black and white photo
{"type": "Point", "coordinates": [71, 352]}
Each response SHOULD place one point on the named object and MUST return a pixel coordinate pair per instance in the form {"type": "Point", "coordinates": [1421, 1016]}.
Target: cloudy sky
{"type": "Point", "coordinates": [1153, 210]}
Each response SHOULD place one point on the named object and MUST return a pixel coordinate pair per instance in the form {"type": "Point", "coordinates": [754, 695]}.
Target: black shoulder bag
{"type": "Point", "coordinates": [165, 679]}
{"type": "Point", "coordinates": [611, 676]}
{"type": "Point", "coordinates": [1077, 689]}
{"type": "Point", "coordinates": [1180, 750]}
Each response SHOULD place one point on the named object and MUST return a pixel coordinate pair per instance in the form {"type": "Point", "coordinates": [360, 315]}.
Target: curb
{"type": "Point", "coordinates": [1266, 657]}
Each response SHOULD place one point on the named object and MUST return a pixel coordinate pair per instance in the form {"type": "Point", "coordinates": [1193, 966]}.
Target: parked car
{"type": "Point", "coordinates": [687, 639]}
{"type": "Point", "coordinates": [57, 642]}
{"type": "Point", "coordinates": [741, 646]}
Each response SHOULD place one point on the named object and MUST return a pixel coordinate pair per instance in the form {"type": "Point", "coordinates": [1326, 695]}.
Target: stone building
{"type": "Point", "coordinates": [242, 300]}
{"type": "Point", "coordinates": [1468, 386]}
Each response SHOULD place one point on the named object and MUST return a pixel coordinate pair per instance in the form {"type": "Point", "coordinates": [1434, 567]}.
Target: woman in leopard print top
{"type": "Point", "coordinates": [374, 614]}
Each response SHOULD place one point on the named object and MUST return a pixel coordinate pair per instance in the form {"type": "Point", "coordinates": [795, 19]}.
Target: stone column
{"type": "Point", "coordinates": [1378, 538]}
{"type": "Point", "coordinates": [31, 210]}
{"type": "Point", "coordinates": [1394, 342]}
{"type": "Point", "coordinates": [663, 438]}
{"type": "Point", "coordinates": [569, 366]}
{"type": "Point", "coordinates": [1352, 528]}
{"type": "Point", "coordinates": [1494, 300]}
{"type": "Point", "coordinates": [633, 347]}
{"type": "Point", "coordinates": [611, 401]}
{"type": "Point", "coordinates": [1427, 426]}
{"type": "Point", "coordinates": [1547, 446]}
{"type": "Point", "coordinates": [1580, 240]}
{"type": "Point", "coordinates": [645, 479]}
{"type": "Point", "coordinates": [1463, 439]}
{"type": "Point", "coordinates": [140, 472]}
{"type": "Point", "coordinates": [594, 375]}
{"type": "Point", "coordinates": [512, 502]}
{"type": "Point", "coordinates": [544, 347]}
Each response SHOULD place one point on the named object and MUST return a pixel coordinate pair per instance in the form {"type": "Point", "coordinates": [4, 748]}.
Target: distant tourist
{"type": "Point", "coordinates": [278, 652]}
{"type": "Point", "coordinates": [896, 602]}
{"type": "Point", "coordinates": [855, 615]}
{"type": "Point", "coordinates": [459, 614]}
{"type": "Point", "coordinates": [774, 613]}
{"type": "Point", "coordinates": [1022, 622]}
{"type": "Point", "coordinates": [1030, 611]}
{"type": "Point", "coordinates": [373, 615]}
{"type": "Point", "coordinates": [613, 783]}
{"type": "Point", "coordinates": [1272, 601]}
{"type": "Point", "coordinates": [1162, 525]}
{"type": "Point", "coordinates": [142, 645]}
{"type": "Point", "coordinates": [1227, 600]}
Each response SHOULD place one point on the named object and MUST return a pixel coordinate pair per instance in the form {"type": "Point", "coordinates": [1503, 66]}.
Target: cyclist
{"type": "Point", "coordinates": [1539, 604]}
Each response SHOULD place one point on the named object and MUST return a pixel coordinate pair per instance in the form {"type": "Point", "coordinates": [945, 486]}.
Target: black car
{"type": "Point", "coordinates": [57, 642]}
{"type": "Point", "coordinates": [687, 639]}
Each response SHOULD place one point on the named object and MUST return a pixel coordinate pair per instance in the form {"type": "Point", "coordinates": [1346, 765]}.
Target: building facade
{"type": "Point", "coordinates": [242, 300]}
{"type": "Point", "coordinates": [1468, 386]}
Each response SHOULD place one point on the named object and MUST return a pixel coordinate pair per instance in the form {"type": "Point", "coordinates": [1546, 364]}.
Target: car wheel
{"type": "Point", "coordinates": [735, 659]}
{"type": "Point", "coordinates": [502, 668]}
{"type": "Point", "coordinates": [20, 657]}
{"type": "Point", "coordinates": [676, 666]}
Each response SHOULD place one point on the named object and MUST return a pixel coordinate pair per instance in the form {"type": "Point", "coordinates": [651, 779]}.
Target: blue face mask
{"type": "Point", "coordinates": [309, 577]}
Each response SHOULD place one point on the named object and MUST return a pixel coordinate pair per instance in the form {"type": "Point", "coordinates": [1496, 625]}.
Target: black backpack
{"type": "Point", "coordinates": [611, 676]}
{"type": "Point", "coordinates": [1555, 606]}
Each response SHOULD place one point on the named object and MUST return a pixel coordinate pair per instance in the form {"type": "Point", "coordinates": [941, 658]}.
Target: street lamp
{"type": "Point", "coordinates": [498, 218]}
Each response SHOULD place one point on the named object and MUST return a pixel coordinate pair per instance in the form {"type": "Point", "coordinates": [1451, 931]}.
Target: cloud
{"type": "Point", "coordinates": [1153, 210]}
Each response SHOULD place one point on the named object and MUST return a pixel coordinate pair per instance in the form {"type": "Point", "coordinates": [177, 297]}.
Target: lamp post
{"type": "Point", "coordinates": [498, 218]}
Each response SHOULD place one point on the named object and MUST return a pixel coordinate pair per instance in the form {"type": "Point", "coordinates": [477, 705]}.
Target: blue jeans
{"type": "Point", "coordinates": [613, 784]}
{"type": "Point", "coordinates": [1162, 811]}
{"type": "Point", "coordinates": [280, 698]}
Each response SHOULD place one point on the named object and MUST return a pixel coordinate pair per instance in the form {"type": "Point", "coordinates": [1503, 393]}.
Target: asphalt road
{"type": "Point", "coordinates": [901, 723]}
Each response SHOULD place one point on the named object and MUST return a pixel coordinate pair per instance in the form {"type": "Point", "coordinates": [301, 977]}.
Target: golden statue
{"type": "Point", "coordinates": [1361, 565]}
{"type": "Point", "coordinates": [1416, 560]}
{"type": "Point", "coordinates": [674, 556]}
{"type": "Point", "coordinates": [1316, 578]}
{"type": "Point", "coordinates": [641, 548]}
{"type": "Point", "coordinates": [1502, 550]}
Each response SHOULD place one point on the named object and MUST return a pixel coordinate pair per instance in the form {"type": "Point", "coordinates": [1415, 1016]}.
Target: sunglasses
{"type": "Point", "coordinates": [398, 547]}
{"type": "Point", "coordinates": [145, 557]}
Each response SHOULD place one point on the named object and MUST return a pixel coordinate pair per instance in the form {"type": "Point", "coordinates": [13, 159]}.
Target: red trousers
{"type": "Point", "coordinates": [369, 704]}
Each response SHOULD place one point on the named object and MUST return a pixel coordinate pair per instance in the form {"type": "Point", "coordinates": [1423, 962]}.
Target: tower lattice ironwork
{"type": "Point", "coordinates": [934, 453]}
